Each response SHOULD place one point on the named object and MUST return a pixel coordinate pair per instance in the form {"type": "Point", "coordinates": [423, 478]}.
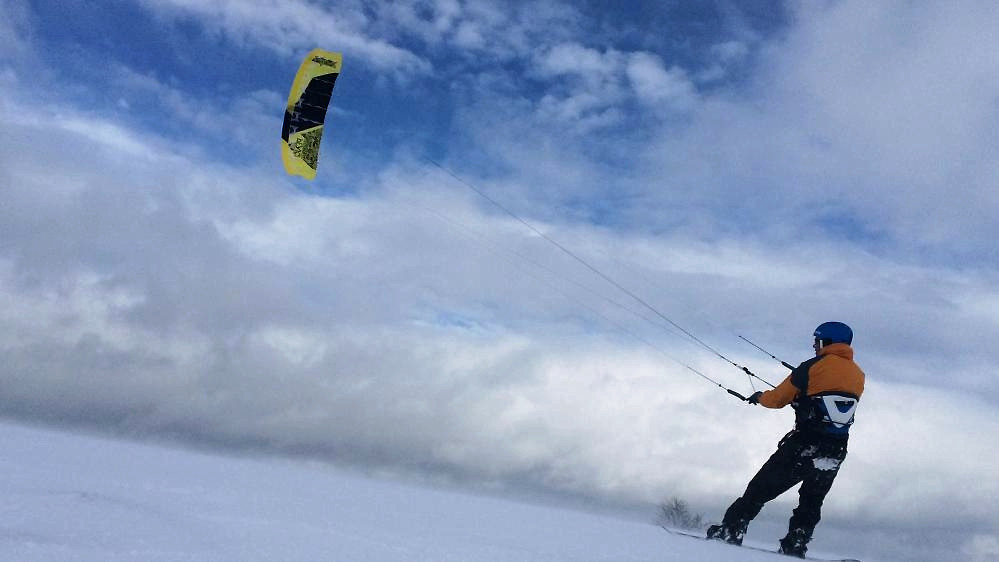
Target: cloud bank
{"type": "Point", "coordinates": [158, 287]}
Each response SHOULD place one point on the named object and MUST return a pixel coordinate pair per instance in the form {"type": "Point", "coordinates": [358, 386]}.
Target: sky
{"type": "Point", "coordinates": [746, 169]}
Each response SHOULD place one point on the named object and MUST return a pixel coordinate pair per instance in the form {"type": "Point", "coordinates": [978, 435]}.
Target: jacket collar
{"type": "Point", "coordinates": [839, 349]}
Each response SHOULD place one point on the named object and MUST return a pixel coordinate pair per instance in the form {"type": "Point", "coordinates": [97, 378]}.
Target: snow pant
{"type": "Point", "coordinates": [813, 460]}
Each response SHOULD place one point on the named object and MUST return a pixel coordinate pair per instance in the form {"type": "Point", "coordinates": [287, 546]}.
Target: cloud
{"type": "Point", "coordinates": [386, 36]}
{"type": "Point", "coordinates": [159, 290]}
{"type": "Point", "coordinates": [981, 548]}
{"type": "Point", "coordinates": [657, 85]}
{"type": "Point", "coordinates": [730, 51]}
{"type": "Point", "coordinates": [574, 59]}
{"type": "Point", "coordinates": [886, 114]}
{"type": "Point", "coordinates": [601, 83]}
{"type": "Point", "coordinates": [483, 30]}
{"type": "Point", "coordinates": [347, 292]}
{"type": "Point", "coordinates": [242, 119]}
{"type": "Point", "coordinates": [14, 30]}
{"type": "Point", "coordinates": [726, 55]}
{"type": "Point", "coordinates": [297, 27]}
{"type": "Point", "coordinates": [585, 89]}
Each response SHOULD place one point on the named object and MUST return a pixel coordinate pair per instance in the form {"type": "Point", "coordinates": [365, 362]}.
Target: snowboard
{"type": "Point", "coordinates": [691, 534]}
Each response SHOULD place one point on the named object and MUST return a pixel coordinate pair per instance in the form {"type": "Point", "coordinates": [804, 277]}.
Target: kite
{"type": "Point", "coordinates": [306, 112]}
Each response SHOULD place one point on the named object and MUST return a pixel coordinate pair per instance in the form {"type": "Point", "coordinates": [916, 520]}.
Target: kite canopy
{"type": "Point", "coordinates": [306, 112]}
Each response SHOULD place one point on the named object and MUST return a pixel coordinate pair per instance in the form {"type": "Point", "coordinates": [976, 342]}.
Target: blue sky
{"type": "Point", "coordinates": [748, 171]}
{"type": "Point", "coordinates": [414, 96]}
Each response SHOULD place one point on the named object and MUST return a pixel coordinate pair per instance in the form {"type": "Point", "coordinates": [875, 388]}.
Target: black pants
{"type": "Point", "coordinates": [812, 460]}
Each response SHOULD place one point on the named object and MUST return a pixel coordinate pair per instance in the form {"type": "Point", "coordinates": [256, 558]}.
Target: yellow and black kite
{"type": "Point", "coordinates": [306, 112]}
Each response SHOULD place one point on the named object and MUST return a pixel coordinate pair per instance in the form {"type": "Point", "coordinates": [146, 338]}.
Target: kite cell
{"type": "Point", "coordinates": [306, 112]}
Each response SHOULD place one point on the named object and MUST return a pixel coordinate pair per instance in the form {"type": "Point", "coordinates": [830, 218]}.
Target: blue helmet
{"type": "Point", "coordinates": [834, 332]}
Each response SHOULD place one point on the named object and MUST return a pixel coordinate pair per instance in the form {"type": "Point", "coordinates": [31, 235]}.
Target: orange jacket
{"type": "Point", "coordinates": [833, 370]}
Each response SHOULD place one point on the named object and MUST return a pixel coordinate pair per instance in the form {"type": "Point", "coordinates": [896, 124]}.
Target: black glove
{"type": "Point", "coordinates": [755, 398]}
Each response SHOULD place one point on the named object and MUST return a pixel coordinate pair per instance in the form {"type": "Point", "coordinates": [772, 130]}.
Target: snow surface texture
{"type": "Point", "coordinates": [68, 497]}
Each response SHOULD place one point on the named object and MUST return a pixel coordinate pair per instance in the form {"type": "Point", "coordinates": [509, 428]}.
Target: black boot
{"type": "Point", "coordinates": [795, 543]}
{"type": "Point", "coordinates": [730, 533]}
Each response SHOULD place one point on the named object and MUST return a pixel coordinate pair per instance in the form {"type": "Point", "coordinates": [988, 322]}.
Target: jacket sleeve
{"type": "Point", "coordinates": [780, 396]}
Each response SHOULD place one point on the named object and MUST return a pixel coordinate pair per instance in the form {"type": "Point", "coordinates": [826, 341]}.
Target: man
{"type": "Point", "coordinates": [824, 392]}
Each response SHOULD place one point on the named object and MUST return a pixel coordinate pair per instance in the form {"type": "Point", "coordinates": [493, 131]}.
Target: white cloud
{"type": "Point", "coordinates": [383, 34]}
{"type": "Point", "coordinates": [297, 27]}
{"type": "Point", "coordinates": [14, 28]}
{"type": "Point", "coordinates": [107, 135]}
{"type": "Point", "coordinates": [655, 84]}
{"type": "Point", "coordinates": [406, 325]}
{"type": "Point", "coordinates": [592, 87]}
{"type": "Point", "coordinates": [727, 55]}
{"type": "Point", "coordinates": [914, 476]}
{"type": "Point", "coordinates": [576, 60]}
{"type": "Point", "coordinates": [730, 51]}
{"type": "Point", "coordinates": [981, 548]}
{"type": "Point", "coordinates": [243, 119]}
{"type": "Point", "coordinates": [518, 31]}
{"type": "Point", "coordinates": [898, 102]}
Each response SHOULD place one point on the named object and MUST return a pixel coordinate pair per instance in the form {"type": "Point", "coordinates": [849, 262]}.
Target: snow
{"type": "Point", "coordinates": [826, 463]}
{"type": "Point", "coordinates": [72, 497]}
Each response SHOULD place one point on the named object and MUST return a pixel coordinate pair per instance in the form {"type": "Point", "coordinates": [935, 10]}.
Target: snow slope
{"type": "Point", "coordinates": [70, 497]}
